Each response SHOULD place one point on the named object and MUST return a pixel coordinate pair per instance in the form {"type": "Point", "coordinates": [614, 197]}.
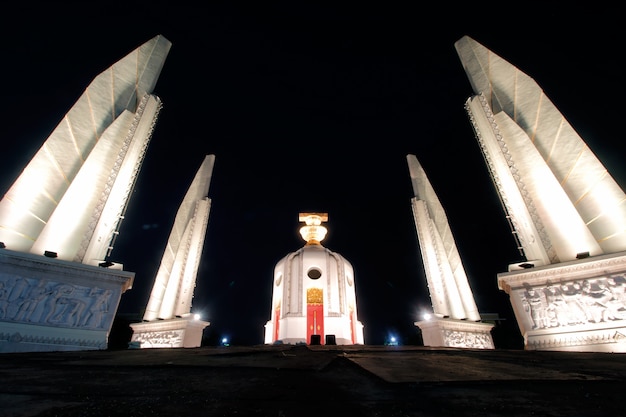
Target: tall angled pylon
{"type": "Point", "coordinates": [456, 321]}
{"type": "Point", "coordinates": [71, 196]}
{"type": "Point", "coordinates": [59, 219]}
{"type": "Point", "coordinates": [560, 198]}
{"type": "Point", "coordinates": [167, 321]}
{"type": "Point", "coordinates": [567, 213]}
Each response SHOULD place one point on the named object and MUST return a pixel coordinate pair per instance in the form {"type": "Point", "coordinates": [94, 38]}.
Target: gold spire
{"type": "Point", "coordinates": [313, 233]}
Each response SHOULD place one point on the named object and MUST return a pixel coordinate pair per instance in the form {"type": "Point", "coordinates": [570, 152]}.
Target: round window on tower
{"type": "Point", "coordinates": [314, 273]}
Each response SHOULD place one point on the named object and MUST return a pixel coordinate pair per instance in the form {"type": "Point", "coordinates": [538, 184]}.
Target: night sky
{"type": "Point", "coordinates": [311, 108]}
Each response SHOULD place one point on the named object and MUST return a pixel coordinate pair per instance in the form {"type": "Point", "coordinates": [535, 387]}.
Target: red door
{"type": "Point", "coordinates": [314, 321]}
{"type": "Point", "coordinates": [314, 313]}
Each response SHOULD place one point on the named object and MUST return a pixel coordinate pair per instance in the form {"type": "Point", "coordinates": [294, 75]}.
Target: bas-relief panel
{"type": "Point", "coordinates": [51, 303]}
{"type": "Point", "coordinates": [465, 339]}
{"type": "Point", "coordinates": [162, 338]}
{"type": "Point", "coordinates": [574, 303]}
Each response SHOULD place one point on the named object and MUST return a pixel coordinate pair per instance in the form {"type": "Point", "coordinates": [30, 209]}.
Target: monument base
{"type": "Point", "coordinates": [571, 306]}
{"type": "Point", "coordinates": [442, 332]}
{"type": "Point", "coordinates": [48, 304]}
{"type": "Point", "coordinates": [185, 331]}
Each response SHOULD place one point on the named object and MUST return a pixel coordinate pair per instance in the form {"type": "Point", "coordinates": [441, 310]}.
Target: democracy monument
{"type": "Point", "coordinates": [168, 321]}
{"type": "Point", "coordinates": [566, 211]}
{"type": "Point", "coordinates": [314, 293]}
{"type": "Point", "coordinates": [456, 321]}
{"type": "Point", "coordinates": [60, 289]}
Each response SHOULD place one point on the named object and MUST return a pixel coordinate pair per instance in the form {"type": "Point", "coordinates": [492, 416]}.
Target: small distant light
{"type": "Point", "coordinates": [225, 341]}
{"type": "Point", "coordinates": [391, 341]}
{"type": "Point", "coordinates": [197, 316]}
{"type": "Point", "coordinates": [426, 316]}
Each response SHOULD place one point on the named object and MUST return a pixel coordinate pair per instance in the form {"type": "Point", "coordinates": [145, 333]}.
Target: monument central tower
{"type": "Point", "coordinates": [314, 297]}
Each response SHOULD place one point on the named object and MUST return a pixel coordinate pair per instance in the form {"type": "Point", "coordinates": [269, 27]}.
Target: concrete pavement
{"type": "Point", "coordinates": [288, 380]}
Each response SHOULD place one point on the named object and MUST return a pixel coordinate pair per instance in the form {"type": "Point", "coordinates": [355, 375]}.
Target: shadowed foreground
{"type": "Point", "coordinates": [292, 380]}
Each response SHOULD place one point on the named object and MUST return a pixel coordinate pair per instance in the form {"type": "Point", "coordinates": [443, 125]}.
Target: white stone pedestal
{"type": "Point", "coordinates": [571, 306]}
{"type": "Point", "coordinates": [47, 304]}
{"type": "Point", "coordinates": [442, 332]}
{"type": "Point", "coordinates": [185, 332]}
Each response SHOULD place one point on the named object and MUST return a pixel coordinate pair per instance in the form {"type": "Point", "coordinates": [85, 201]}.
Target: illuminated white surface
{"type": "Point", "coordinates": [34, 214]}
{"type": "Point", "coordinates": [111, 206]}
{"type": "Point", "coordinates": [576, 320]}
{"type": "Point", "coordinates": [456, 333]}
{"type": "Point", "coordinates": [536, 140]}
{"type": "Point", "coordinates": [456, 318]}
{"type": "Point", "coordinates": [179, 332]}
{"type": "Point", "coordinates": [175, 280]}
{"type": "Point", "coordinates": [336, 286]}
{"type": "Point", "coordinates": [69, 200]}
{"type": "Point", "coordinates": [168, 321]}
{"type": "Point", "coordinates": [56, 305]}
{"type": "Point", "coordinates": [449, 287]}
{"type": "Point", "coordinates": [561, 202]}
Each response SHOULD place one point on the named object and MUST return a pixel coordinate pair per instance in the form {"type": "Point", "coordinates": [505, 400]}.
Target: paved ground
{"type": "Point", "coordinates": [312, 380]}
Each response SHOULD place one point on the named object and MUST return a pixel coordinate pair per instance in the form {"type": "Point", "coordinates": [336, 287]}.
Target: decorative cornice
{"type": "Point", "coordinates": [569, 271]}
{"type": "Point", "coordinates": [83, 344]}
{"type": "Point", "coordinates": [576, 340]}
{"type": "Point", "coordinates": [21, 262]}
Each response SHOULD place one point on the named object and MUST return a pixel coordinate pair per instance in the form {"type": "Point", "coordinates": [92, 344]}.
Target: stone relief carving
{"type": "Point", "coordinates": [454, 338]}
{"type": "Point", "coordinates": [575, 302]}
{"type": "Point", "coordinates": [172, 338]}
{"type": "Point", "coordinates": [50, 303]}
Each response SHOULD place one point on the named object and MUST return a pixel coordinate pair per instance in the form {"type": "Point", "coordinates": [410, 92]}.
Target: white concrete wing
{"type": "Point", "coordinates": [522, 112]}
{"type": "Point", "coordinates": [450, 292]}
{"type": "Point", "coordinates": [175, 280]}
{"type": "Point", "coordinates": [99, 115]}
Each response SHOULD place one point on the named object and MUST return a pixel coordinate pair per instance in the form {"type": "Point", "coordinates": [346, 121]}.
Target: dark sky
{"type": "Point", "coordinates": [311, 108]}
